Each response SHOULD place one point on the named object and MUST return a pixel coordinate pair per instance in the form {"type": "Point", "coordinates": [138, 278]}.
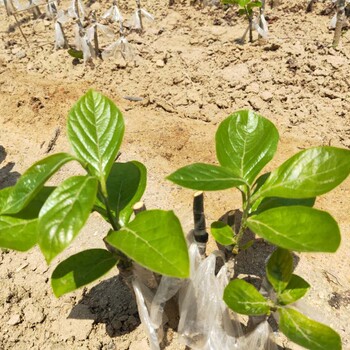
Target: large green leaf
{"type": "Point", "coordinates": [81, 269]}
{"type": "Point", "coordinates": [65, 213]}
{"type": "Point", "coordinates": [205, 177]}
{"type": "Point", "coordinates": [279, 269]}
{"type": "Point", "coordinates": [126, 184]}
{"type": "Point", "coordinates": [296, 289]}
{"type": "Point", "coordinates": [95, 130]}
{"type": "Point", "coordinates": [18, 234]}
{"type": "Point", "coordinates": [307, 174]}
{"type": "Point", "coordinates": [307, 332]}
{"type": "Point", "coordinates": [222, 233]}
{"type": "Point", "coordinates": [273, 202]}
{"type": "Point", "coordinates": [4, 194]}
{"type": "Point", "coordinates": [245, 143]}
{"type": "Point", "coordinates": [155, 240]}
{"type": "Point", "coordinates": [31, 182]}
{"type": "Point", "coordinates": [297, 228]}
{"type": "Point", "coordinates": [242, 297]}
{"type": "Point", "coordinates": [32, 210]}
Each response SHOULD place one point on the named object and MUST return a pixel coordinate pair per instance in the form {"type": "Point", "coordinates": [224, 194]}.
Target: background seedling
{"type": "Point", "coordinates": [246, 9]}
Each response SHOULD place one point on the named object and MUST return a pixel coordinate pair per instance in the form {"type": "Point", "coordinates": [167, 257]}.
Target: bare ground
{"type": "Point", "coordinates": [190, 74]}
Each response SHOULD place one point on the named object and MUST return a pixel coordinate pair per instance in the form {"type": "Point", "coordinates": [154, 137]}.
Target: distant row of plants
{"type": "Point", "coordinates": [277, 206]}
{"type": "Point", "coordinates": [88, 30]}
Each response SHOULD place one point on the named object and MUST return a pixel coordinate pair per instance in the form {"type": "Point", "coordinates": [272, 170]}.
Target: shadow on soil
{"type": "Point", "coordinates": [112, 303]}
{"type": "Point", "coordinates": [7, 176]}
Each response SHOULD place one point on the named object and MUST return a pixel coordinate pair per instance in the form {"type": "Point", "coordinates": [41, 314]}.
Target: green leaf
{"type": "Point", "coordinates": [296, 289]}
{"type": "Point", "coordinates": [4, 195]}
{"type": "Point", "coordinates": [95, 130]}
{"type": "Point", "coordinates": [81, 269]}
{"type": "Point", "coordinates": [205, 177]}
{"type": "Point", "coordinates": [65, 213]}
{"type": "Point", "coordinates": [155, 240]}
{"type": "Point", "coordinates": [307, 332]}
{"type": "Point", "coordinates": [32, 210]}
{"type": "Point", "coordinates": [31, 182]}
{"type": "Point", "coordinates": [126, 184]}
{"type": "Point", "coordinates": [274, 202]}
{"type": "Point", "coordinates": [307, 174]}
{"type": "Point", "coordinates": [243, 298]}
{"type": "Point", "coordinates": [279, 269]}
{"type": "Point", "coordinates": [297, 228]}
{"type": "Point", "coordinates": [76, 53]}
{"type": "Point", "coordinates": [245, 143]}
{"type": "Point", "coordinates": [222, 233]}
{"type": "Point", "coordinates": [18, 234]}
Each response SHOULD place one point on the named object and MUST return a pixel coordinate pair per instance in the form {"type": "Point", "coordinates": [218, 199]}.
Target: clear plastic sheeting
{"type": "Point", "coordinates": [122, 47]}
{"type": "Point", "coordinates": [205, 323]}
{"type": "Point", "coordinates": [261, 338]}
{"type": "Point", "coordinates": [113, 14]}
{"type": "Point", "coordinates": [135, 20]}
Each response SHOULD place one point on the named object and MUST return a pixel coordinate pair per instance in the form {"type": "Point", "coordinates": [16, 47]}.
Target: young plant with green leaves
{"type": "Point", "coordinates": [284, 289]}
{"type": "Point", "coordinates": [246, 8]}
{"type": "Point", "coordinates": [32, 213]}
{"type": "Point", "coordinates": [277, 206]}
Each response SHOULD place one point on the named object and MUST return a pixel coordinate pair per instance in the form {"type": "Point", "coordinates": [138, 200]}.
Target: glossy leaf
{"type": "Point", "coordinates": [32, 210]}
{"type": "Point", "coordinates": [296, 289]}
{"type": "Point", "coordinates": [126, 184]}
{"type": "Point", "coordinates": [65, 213]}
{"type": "Point", "coordinates": [297, 228]}
{"type": "Point", "coordinates": [243, 298]}
{"type": "Point", "coordinates": [275, 202]}
{"type": "Point", "coordinates": [155, 240]}
{"type": "Point", "coordinates": [222, 233]}
{"type": "Point", "coordinates": [279, 269]}
{"type": "Point", "coordinates": [18, 234]}
{"type": "Point", "coordinates": [81, 269]}
{"type": "Point", "coordinates": [307, 332]}
{"type": "Point", "coordinates": [245, 143]}
{"type": "Point", "coordinates": [95, 130]}
{"type": "Point", "coordinates": [307, 174]}
{"type": "Point", "coordinates": [4, 194]}
{"type": "Point", "coordinates": [205, 177]}
{"type": "Point", "coordinates": [32, 181]}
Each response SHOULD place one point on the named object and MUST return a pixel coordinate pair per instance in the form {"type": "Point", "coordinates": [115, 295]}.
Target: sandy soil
{"type": "Point", "coordinates": [190, 74]}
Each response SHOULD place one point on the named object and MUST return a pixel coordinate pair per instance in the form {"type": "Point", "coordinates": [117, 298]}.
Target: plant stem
{"type": "Point", "coordinates": [246, 207]}
{"type": "Point", "coordinates": [340, 22]}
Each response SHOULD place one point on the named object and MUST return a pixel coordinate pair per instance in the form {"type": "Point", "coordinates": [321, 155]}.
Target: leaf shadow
{"type": "Point", "coordinates": [7, 176]}
{"type": "Point", "coordinates": [112, 303]}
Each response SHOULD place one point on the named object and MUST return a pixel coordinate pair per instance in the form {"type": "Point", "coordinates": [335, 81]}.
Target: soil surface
{"type": "Point", "coordinates": [188, 74]}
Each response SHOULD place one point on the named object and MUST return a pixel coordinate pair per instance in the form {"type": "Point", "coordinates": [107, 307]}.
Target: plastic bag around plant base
{"type": "Point", "coordinates": [151, 301]}
{"type": "Point", "coordinates": [60, 42]}
{"type": "Point", "coordinates": [108, 32]}
{"type": "Point", "coordinates": [263, 30]}
{"type": "Point", "coordinates": [114, 14]}
{"type": "Point", "coordinates": [261, 338]}
{"type": "Point", "coordinates": [122, 47]}
{"type": "Point", "coordinates": [205, 323]}
{"type": "Point", "coordinates": [75, 12]}
{"type": "Point", "coordinates": [135, 20]}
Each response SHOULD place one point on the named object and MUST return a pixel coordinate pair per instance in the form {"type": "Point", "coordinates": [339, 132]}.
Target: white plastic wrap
{"type": "Point", "coordinates": [263, 31]}
{"type": "Point", "coordinates": [77, 12]}
{"type": "Point", "coordinates": [135, 20]}
{"type": "Point", "coordinates": [102, 28]}
{"type": "Point", "coordinates": [60, 42]}
{"type": "Point", "coordinates": [121, 46]}
{"type": "Point", "coordinates": [261, 338]}
{"type": "Point", "coordinates": [204, 318]}
{"type": "Point", "coordinates": [114, 14]}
